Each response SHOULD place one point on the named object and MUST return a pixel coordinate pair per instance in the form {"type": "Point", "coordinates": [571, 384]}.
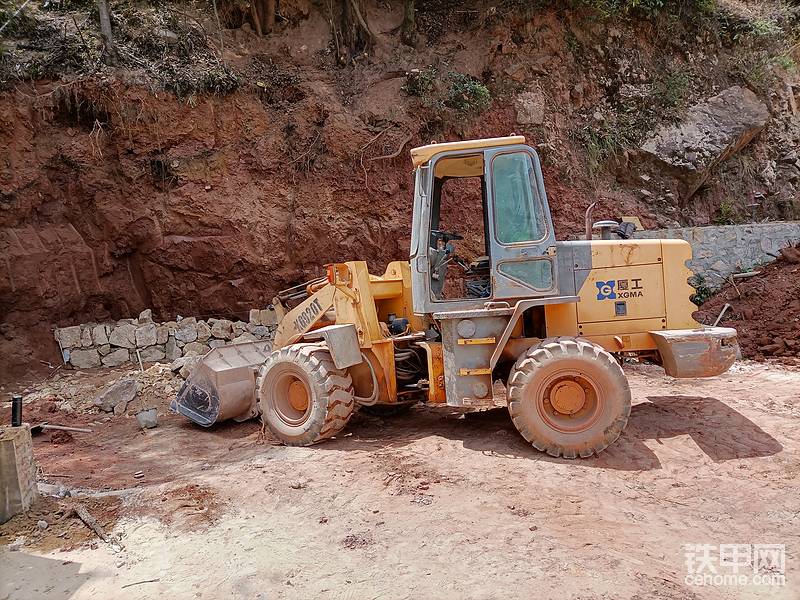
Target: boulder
{"type": "Point", "coordinates": [245, 338]}
{"type": "Point", "coordinates": [148, 418]}
{"type": "Point", "coordinates": [179, 362]}
{"type": "Point", "coordinates": [203, 331]}
{"type": "Point", "coordinates": [260, 331]}
{"type": "Point", "coordinates": [255, 316]}
{"type": "Point", "coordinates": [189, 367]}
{"type": "Point", "coordinates": [215, 343]}
{"type": "Point", "coordinates": [84, 359]}
{"type": "Point", "coordinates": [711, 132]}
{"type": "Point", "coordinates": [121, 393]}
{"type": "Point", "coordinates": [162, 334]}
{"type": "Point", "coordinates": [116, 358]}
{"type": "Point", "coordinates": [86, 337]}
{"type": "Point", "coordinates": [530, 109]}
{"type": "Point", "coordinates": [195, 348]}
{"type": "Point", "coordinates": [146, 316]}
{"type": "Point", "coordinates": [69, 337]}
{"type": "Point", "coordinates": [171, 349]}
{"type": "Point", "coordinates": [100, 335]}
{"type": "Point", "coordinates": [104, 349]}
{"type": "Point", "coordinates": [221, 328]}
{"type": "Point", "coordinates": [146, 335]}
{"type": "Point", "coordinates": [269, 317]}
{"type": "Point", "coordinates": [186, 364]}
{"type": "Point", "coordinates": [238, 328]}
{"type": "Point", "coordinates": [123, 336]}
{"type": "Point", "coordinates": [153, 354]}
{"type": "Point", "coordinates": [186, 332]}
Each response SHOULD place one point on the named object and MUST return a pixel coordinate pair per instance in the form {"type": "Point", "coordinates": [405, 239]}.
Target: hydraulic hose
{"type": "Point", "coordinates": [373, 398]}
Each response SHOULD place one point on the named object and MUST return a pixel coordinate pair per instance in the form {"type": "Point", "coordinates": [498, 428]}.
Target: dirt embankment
{"type": "Point", "coordinates": [116, 197]}
{"type": "Point", "coordinates": [765, 309]}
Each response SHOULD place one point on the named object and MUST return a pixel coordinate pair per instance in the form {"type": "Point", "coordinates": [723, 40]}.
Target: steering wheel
{"type": "Point", "coordinates": [446, 235]}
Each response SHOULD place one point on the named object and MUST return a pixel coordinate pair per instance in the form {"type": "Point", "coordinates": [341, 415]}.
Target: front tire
{"type": "Point", "coordinates": [303, 397]}
{"type": "Point", "coordinates": [569, 397]}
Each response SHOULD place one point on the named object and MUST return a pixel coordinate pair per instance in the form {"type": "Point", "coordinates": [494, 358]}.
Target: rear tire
{"type": "Point", "coordinates": [303, 397]}
{"type": "Point", "coordinates": [568, 397]}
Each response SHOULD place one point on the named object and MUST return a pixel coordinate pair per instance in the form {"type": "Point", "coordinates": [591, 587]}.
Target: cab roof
{"type": "Point", "coordinates": [421, 155]}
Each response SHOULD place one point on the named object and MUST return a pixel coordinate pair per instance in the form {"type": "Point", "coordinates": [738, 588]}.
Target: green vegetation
{"type": "Point", "coordinates": [726, 213]}
{"type": "Point", "coordinates": [785, 62]}
{"type": "Point", "coordinates": [467, 95]}
{"type": "Point", "coordinates": [455, 91]}
{"type": "Point", "coordinates": [419, 83]}
{"type": "Point", "coordinates": [671, 91]}
{"type": "Point", "coordinates": [701, 290]}
{"type": "Point", "coordinates": [633, 118]}
{"type": "Point", "coordinates": [766, 28]}
{"type": "Point", "coordinates": [643, 8]}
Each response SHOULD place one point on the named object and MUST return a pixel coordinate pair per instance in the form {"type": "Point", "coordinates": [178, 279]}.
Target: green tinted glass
{"type": "Point", "coordinates": [536, 273]}
{"type": "Point", "coordinates": [517, 209]}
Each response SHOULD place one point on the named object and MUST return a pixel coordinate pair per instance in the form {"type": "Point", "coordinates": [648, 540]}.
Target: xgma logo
{"type": "Point", "coordinates": [619, 288]}
{"type": "Point", "coordinates": [605, 290]}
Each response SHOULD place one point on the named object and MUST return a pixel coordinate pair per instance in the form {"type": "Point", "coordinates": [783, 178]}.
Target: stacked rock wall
{"type": "Point", "coordinates": [718, 251]}
{"type": "Point", "coordinates": [129, 340]}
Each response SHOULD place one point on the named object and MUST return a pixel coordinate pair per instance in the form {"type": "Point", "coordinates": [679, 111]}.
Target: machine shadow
{"type": "Point", "coordinates": [720, 432]}
{"type": "Point", "coordinates": [26, 576]}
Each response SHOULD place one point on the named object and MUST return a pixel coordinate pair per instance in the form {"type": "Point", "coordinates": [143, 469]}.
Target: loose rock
{"type": "Point", "coordinates": [122, 392]}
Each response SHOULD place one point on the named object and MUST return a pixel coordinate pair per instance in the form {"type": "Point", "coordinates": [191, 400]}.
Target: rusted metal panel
{"type": "Point", "coordinates": [697, 352]}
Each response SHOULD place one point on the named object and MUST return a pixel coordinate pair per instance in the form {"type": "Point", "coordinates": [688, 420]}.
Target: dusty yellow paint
{"type": "Point", "coordinates": [422, 154]}
{"type": "Point", "coordinates": [656, 268]}
{"type": "Point", "coordinates": [620, 253]}
{"type": "Point", "coordinates": [436, 389]}
{"type": "Point", "coordinates": [399, 305]}
{"type": "Point", "coordinates": [476, 341]}
{"type": "Point", "coordinates": [475, 371]}
{"type": "Point", "coordinates": [677, 289]}
{"type": "Point", "coordinates": [561, 319]}
{"type": "Point", "coordinates": [640, 287]}
{"type": "Point", "coordinates": [460, 166]}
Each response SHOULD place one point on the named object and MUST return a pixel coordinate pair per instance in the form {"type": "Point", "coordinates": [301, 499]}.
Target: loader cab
{"type": "Point", "coordinates": [482, 231]}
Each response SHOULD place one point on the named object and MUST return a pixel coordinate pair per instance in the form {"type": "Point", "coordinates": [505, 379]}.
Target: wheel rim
{"type": "Point", "coordinates": [291, 399]}
{"type": "Point", "coordinates": [569, 402]}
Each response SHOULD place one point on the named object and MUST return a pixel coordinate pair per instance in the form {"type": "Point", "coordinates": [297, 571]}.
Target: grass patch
{"type": "Point", "coordinates": [446, 97]}
{"type": "Point", "coordinates": [701, 290]}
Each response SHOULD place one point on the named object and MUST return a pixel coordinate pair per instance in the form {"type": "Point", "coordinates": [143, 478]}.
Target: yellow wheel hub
{"type": "Point", "coordinates": [298, 396]}
{"type": "Point", "coordinates": [567, 397]}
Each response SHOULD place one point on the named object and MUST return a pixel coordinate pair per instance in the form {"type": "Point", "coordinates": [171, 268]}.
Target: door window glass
{"type": "Point", "coordinates": [537, 273]}
{"type": "Point", "coordinates": [517, 207]}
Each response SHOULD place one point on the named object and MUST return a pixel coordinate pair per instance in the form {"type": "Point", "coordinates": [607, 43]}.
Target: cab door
{"type": "Point", "coordinates": [522, 238]}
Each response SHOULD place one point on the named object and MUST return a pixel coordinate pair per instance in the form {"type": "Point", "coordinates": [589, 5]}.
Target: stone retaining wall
{"type": "Point", "coordinates": [721, 250]}
{"type": "Point", "coordinates": [113, 344]}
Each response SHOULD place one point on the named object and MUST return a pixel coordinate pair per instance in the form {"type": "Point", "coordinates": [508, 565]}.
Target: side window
{"type": "Point", "coordinates": [517, 207]}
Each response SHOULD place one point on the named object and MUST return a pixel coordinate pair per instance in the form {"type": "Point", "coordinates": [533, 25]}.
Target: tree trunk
{"type": "Point", "coordinates": [269, 15]}
{"type": "Point", "coordinates": [408, 31]}
{"type": "Point", "coordinates": [255, 16]}
{"type": "Point", "coordinates": [356, 33]}
{"type": "Point", "coordinates": [105, 29]}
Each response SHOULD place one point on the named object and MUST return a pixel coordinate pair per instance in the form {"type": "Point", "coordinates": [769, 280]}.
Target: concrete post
{"type": "Point", "coordinates": [17, 471]}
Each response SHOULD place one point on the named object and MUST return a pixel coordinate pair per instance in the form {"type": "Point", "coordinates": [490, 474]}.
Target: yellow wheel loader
{"type": "Point", "coordinates": [551, 321]}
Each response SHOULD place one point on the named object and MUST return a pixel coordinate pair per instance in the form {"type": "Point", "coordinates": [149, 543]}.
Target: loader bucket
{"type": "Point", "coordinates": [222, 385]}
